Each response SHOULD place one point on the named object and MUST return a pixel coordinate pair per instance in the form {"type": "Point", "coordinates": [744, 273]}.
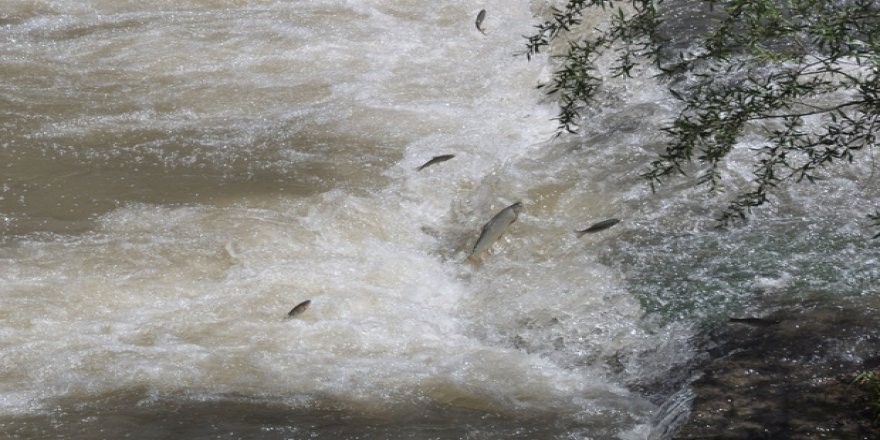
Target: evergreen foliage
{"type": "Point", "coordinates": [869, 381]}
{"type": "Point", "coordinates": [769, 65]}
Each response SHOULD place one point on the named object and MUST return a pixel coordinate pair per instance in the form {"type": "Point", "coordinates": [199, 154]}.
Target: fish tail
{"type": "Point", "coordinates": [580, 233]}
{"type": "Point", "coordinates": [474, 260]}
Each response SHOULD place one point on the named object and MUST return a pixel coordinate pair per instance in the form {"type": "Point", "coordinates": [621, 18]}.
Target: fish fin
{"type": "Point", "coordinates": [474, 260]}
{"type": "Point", "coordinates": [500, 237]}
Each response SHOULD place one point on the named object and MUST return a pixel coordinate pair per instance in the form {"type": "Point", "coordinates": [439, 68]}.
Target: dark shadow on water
{"type": "Point", "coordinates": [129, 415]}
{"type": "Point", "coordinates": [787, 375]}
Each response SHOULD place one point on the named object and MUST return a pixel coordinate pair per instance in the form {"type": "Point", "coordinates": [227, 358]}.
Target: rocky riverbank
{"type": "Point", "coordinates": [787, 375]}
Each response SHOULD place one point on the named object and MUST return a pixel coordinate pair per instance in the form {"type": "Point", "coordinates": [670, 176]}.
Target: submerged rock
{"type": "Point", "coordinates": [791, 380]}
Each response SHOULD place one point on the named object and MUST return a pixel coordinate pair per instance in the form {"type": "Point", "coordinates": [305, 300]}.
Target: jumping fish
{"type": "Point", "coordinates": [757, 322]}
{"type": "Point", "coordinates": [436, 159]}
{"type": "Point", "coordinates": [480, 17]}
{"type": "Point", "coordinates": [596, 227]}
{"type": "Point", "coordinates": [493, 230]}
{"type": "Point", "coordinates": [301, 307]}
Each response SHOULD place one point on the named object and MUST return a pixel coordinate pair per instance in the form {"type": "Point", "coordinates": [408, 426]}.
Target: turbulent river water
{"type": "Point", "coordinates": [176, 175]}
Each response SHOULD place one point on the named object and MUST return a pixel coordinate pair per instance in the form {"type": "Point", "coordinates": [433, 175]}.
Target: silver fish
{"type": "Point", "coordinates": [493, 230]}
{"type": "Point", "coordinates": [480, 17]}
{"type": "Point", "coordinates": [436, 159]}
{"type": "Point", "coordinates": [301, 307]}
{"type": "Point", "coordinates": [596, 227]}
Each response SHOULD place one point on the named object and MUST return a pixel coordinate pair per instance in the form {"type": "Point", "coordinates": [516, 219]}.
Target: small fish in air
{"type": "Point", "coordinates": [757, 322]}
{"type": "Point", "coordinates": [301, 307]}
{"type": "Point", "coordinates": [480, 17]}
{"type": "Point", "coordinates": [436, 159]}
{"type": "Point", "coordinates": [596, 227]}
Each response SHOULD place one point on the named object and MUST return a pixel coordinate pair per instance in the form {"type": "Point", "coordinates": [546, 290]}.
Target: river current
{"type": "Point", "coordinates": [175, 176]}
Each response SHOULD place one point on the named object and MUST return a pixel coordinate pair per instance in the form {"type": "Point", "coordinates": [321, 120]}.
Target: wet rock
{"type": "Point", "coordinates": [788, 380]}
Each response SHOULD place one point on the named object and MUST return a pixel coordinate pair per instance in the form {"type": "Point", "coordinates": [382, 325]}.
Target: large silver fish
{"type": "Point", "coordinates": [493, 230]}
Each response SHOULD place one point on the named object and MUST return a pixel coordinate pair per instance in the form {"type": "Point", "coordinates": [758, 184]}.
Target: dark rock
{"type": "Point", "coordinates": [788, 380]}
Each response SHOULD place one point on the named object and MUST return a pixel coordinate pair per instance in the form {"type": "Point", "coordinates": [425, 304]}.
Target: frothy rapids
{"type": "Point", "coordinates": [176, 175]}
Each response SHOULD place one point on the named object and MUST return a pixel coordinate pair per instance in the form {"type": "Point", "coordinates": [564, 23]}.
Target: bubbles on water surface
{"type": "Point", "coordinates": [247, 157]}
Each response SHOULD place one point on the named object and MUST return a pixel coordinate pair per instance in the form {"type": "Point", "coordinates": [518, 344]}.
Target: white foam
{"type": "Point", "coordinates": [193, 299]}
